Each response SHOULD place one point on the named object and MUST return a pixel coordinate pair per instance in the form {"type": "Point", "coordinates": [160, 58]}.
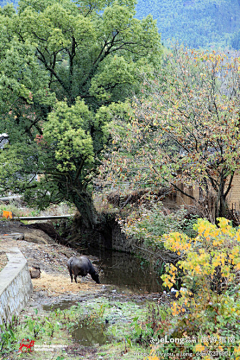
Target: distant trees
{"type": "Point", "coordinates": [236, 41]}
{"type": "Point", "coordinates": [63, 66]}
{"type": "Point", "coordinates": [184, 128]}
{"type": "Point", "coordinates": [196, 24]}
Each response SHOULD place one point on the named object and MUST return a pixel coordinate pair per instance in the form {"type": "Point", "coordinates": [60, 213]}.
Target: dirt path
{"type": "Point", "coordinates": [54, 285]}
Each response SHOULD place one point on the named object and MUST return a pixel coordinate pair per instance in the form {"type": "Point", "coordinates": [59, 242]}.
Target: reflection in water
{"type": "Point", "coordinates": [126, 272]}
{"type": "Point", "coordinates": [64, 304]}
{"type": "Point", "coordinates": [88, 335]}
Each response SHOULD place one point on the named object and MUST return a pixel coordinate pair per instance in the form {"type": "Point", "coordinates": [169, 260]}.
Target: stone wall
{"type": "Point", "coordinates": [15, 286]}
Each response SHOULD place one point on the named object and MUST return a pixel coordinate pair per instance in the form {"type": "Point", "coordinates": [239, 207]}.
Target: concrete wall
{"type": "Point", "coordinates": [15, 285]}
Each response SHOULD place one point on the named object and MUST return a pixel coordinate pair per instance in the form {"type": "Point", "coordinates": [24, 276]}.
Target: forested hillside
{"type": "Point", "coordinates": [196, 23]}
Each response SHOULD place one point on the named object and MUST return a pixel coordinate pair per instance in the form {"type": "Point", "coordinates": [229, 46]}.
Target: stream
{"type": "Point", "coordinates": [126, 272]}
{"type": "Point", "coordinates": [127, 275]}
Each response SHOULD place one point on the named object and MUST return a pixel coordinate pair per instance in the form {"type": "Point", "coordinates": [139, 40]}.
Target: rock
{"type": "Point", "coordinates": [38, 237]}
{"type": "Point", "coordinates": [47, 228]}
{"type": "Point", "coordinates": [35, 272]}
{"type": "Point", "coordinates": [19, 237]}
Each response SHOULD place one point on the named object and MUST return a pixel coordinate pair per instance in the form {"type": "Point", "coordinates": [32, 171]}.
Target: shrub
{"type": "Point", "coordinates": [150, 222]}
{"type": "Point", "coordinates": [207, 307]}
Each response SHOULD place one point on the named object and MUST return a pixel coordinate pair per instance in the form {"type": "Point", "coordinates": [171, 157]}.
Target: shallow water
{"type": "Point", "coordinates": [88, 335]}
{"type": "Point", "coordinates": [126, 272]}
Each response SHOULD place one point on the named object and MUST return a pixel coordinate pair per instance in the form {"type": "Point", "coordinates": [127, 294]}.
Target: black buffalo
{"type": "Point", "coordinates": [81, 266]}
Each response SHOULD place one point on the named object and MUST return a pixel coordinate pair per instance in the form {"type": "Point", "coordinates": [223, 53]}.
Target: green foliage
{"type": "Point", "coordinates": [125, 320]}
{"type": "Point", "coordinates": [149, 222]}
{"type": "Point", "coordinates": [183, 131]}
{"type": "Point", "coordinates": [211, 310]}
{"type": "Point", "coordinates": [188, 225]}
{"type": "Point", "coordinates": [68, 134]}
{"type": "Point", "coordinates": [197, 24]}
{"type": "Point", "coordinates": [63, 66]}
{"type": "Point", "coordinates": [236, 41]}
{"type": "Point", "coordinates": [8, 338]}
{"type": "Point", "coordinates": [152, 326]}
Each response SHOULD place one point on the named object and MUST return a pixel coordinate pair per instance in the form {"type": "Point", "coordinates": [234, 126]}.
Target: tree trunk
{"type": "Point", "coordinates": [221, 203]}
{"type": "Point", "coordinates": [84, 204]}
{"type": "Point", "coordinates": [221, 208]}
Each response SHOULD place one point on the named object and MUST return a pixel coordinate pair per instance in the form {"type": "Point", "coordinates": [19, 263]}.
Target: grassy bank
{"type": "Point", "coordinates": [103, 327]}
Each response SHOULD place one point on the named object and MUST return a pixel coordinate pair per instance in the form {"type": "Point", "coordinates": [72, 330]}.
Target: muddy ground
{"type": "Point", "coordinates": [39, 249]}
{"type": "Point", "coordinates": [54, 285]}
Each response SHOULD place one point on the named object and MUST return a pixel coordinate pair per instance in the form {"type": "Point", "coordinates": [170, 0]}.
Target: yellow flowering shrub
{"type": "Point", "coordinates": [207, 306]}
{"type": "Point", "coordinates": [214, 250]}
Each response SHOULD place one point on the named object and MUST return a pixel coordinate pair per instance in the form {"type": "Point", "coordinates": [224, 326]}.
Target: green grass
{"type": "Point", "coordinates": [56, 328]}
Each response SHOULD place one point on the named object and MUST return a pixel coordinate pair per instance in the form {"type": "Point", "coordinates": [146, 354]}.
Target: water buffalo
{"type": "Point", "coordinates": [81, 266]}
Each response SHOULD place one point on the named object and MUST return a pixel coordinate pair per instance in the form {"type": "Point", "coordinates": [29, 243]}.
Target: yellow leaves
{"type": "Point", "coordinates": [226, 272]}
{"type": "Point", "coordinates": [237, 267]}
{"type": "Point", "coordinates": [167, 282]}
{"type": "Point", "coordinates": [218, 260]}
{"type": "Point", "coordinates": [214, 249]}
{"type": "Point", "coordinates": [238, 235]}
{"type": "Point", "coordinates": [176, 309]}
{"type": "Point", "coordinates": [172, 269]}
{"type": "Point", "coordinates": [198, 269]}
{"type": "Point", "coordinates": [234, 252]}
{"type": "Point", "coordinates": [201, 258]}
{"type": "Point", "coordinates": [224, 223]}
{"type": "Point", "coordinates": [177, 242]}
{"type": "Point", "coordinates": [237, 352]}
{"type": "Point", "coordinates": [205, 228]}
{"type": "Point", "coordinates": [199, 348]}
{"type": "Point", "coordinates": [235, 258]}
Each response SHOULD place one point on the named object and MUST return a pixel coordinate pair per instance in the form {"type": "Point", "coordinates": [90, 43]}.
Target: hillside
{"type": "Point", "coordinates": [196, 23]}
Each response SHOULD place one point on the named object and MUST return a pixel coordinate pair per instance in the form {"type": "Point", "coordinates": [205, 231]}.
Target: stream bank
{"type": "Point", "coordinates": [54, 290]}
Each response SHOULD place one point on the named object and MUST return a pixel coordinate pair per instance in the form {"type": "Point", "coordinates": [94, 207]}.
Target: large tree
{"type": "Point", "coordinates": [63, 67]}
{"type": "Point", "coordinates": [184, 129]}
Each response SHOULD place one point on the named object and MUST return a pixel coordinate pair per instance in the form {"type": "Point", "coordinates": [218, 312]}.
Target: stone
{"type": "Point", "coordinates": [35, 272]}
{"type": "Point", "coordinates": [38, 237]}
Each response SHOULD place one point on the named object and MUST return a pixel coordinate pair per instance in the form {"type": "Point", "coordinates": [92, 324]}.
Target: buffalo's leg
{"type": "Point", "coordinates": [70, 272]}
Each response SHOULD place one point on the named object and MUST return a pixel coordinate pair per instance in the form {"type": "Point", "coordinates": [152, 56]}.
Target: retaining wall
{"type": "Point", "coordinates": [119, 240]}
{"type": "Point", "coordinates": [15, 285]}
